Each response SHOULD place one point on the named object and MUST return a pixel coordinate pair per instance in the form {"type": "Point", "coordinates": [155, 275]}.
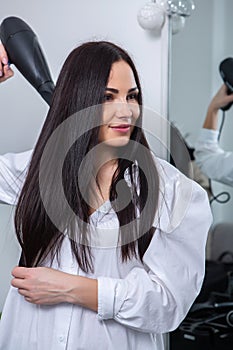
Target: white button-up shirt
{"type": "Point", "coordinates": [137, 302]}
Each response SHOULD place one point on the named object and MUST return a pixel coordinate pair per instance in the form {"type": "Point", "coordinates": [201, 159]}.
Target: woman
{"type": "Point", "coordinates": [112, 239]}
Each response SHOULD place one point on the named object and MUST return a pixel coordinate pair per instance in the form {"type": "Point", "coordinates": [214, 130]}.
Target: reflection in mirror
{"type": "Point", "coordinates": [196, 52]}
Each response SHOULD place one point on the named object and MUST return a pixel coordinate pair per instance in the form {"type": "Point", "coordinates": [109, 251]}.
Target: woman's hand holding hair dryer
{"type": "Point", "coordinates": [5, 71]}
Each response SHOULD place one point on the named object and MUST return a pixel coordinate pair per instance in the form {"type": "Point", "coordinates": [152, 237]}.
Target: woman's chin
{"type": "Point", "coordinates": [117, 142]}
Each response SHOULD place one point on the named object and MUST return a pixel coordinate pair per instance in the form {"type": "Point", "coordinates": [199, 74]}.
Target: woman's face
{"type": "Point", "coordinates": [120, 106]}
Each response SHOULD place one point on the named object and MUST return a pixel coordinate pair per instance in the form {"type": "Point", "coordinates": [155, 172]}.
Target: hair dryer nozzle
{"type": "Point", "coordinates": [25, 53]}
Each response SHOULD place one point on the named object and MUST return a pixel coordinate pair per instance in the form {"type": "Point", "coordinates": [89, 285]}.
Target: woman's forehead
{"type": "Point", "coordinates": [121, 74]}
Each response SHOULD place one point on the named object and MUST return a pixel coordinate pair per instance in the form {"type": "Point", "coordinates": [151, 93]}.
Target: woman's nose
{"type": "Point", "coordinates": [123, 110]}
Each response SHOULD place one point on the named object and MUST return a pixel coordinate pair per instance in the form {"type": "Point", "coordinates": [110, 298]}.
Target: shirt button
{"type": "Point", "coordinates": [61, 338]}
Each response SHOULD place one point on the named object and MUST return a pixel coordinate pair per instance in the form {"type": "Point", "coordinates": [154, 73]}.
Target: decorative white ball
{"type": "Point", "coordinates": [151, 17]}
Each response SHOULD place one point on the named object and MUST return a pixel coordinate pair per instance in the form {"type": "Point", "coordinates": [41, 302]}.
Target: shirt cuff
{"type": "Point", "coordinates": [111, 295]}
{"type": "Point", "coordinates": [106, 297]}
{"type": "Point", "coordinates": [208, 135]}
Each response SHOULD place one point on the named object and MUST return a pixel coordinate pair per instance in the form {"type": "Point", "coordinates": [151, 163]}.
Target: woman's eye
{"type": "Point", "coordinates": [107, 98]}
{"type": "Point", "coordinates": [132, 97]}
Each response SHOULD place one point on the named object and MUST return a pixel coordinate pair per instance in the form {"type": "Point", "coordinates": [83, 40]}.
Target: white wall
{"type": "Point", "coordinates": [60, 26]}
{"type": "Point", "coordinates": [196, 54]}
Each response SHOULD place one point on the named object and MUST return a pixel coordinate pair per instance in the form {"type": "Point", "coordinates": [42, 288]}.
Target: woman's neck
{"type": "Point", "coordinates": [106, 167]}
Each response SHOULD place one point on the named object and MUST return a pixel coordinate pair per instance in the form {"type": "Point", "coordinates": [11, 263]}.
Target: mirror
{"type": "Point", "coordinates": [195, 54]}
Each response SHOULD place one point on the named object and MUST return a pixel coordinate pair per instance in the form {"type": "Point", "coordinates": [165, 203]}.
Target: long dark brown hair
{"type": "Point", "coordinates": [81, 84]}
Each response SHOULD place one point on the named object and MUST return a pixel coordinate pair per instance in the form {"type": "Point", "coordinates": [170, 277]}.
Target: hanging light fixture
{"type": "Point", "coordinates": [152, 15]}
{"type": "Point", "coordinates": [177, 7]}
{"type": "Point", "coordinates": [177, 23]}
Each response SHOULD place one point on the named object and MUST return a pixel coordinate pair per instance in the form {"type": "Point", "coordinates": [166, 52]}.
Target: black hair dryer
{"type": "Point", "coordinates": [25, 53]}
{"type": "Point", "coordinates": [226, 72]}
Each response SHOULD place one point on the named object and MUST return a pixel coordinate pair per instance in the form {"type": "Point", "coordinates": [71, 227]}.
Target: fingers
{"type": "Point", "coordinates": [20, 272]}
{"type": "Point", "coordinates": [226, 97]}
{"type": "Point", "coordinates": [7, 73]}
{"type": "Point", "coordinates": [17, 283]}
{"type": "Point", "coordinates": [23, 289]}
{"type": "Point", "coordinates": [20, 277]}
{"type": "Point", "coordinates": [225, 91]}
{"type": "Point", "coordinates": [3, 56]}
{"type": "Point", "coordinates": [221, 99]}
{"type": "Point", "coordinates": [5, 70]}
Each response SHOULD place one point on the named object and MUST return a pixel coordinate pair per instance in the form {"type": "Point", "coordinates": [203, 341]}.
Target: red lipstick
{"type": "Point", "coordinates": [121, 128]}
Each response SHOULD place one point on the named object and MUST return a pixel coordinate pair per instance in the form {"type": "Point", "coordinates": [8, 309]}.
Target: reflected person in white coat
{"type": "Point", "coordinates": [214, 162]}
{"type": "Point", "coordinates": [128, 264]}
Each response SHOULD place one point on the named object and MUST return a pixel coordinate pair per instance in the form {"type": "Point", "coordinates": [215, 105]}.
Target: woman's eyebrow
{"type": "Point", "coordinates": [115, 91]}
{"type": "Point", "coordinates": [133, 89]}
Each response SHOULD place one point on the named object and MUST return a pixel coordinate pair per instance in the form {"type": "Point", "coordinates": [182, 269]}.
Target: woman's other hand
{"type": "Point", "coordinates": [46, 286]}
